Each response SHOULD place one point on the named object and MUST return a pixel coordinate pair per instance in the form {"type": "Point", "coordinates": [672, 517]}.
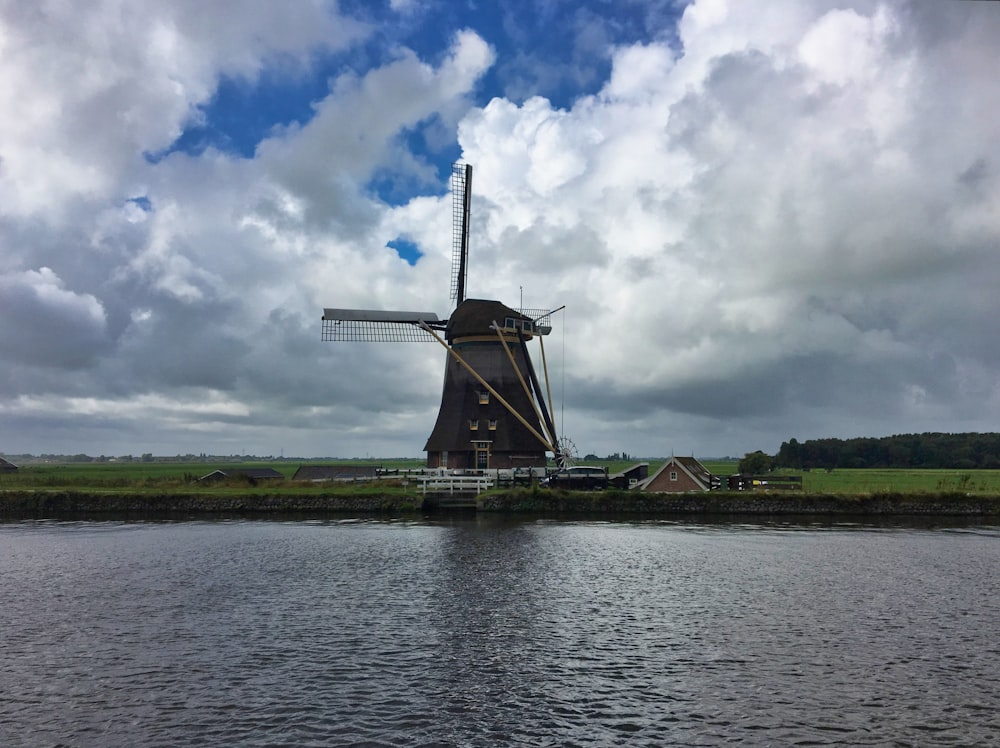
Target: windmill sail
{"type": "Point", "coordinates": [372, 325]}
{"type": "Point", "coordinates": [461, 198]}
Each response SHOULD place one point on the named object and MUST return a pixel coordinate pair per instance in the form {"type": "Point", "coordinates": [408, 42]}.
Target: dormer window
{"type": "Point", "coordinates": [492, 424]}
{"type": "Point", "coordinates": [474, 424]}
{"type": "Point", "coordinates": [484, 397]}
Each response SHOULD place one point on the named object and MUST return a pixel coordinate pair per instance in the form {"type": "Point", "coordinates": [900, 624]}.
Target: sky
{"type": "Point", "coordinates": [765, 220]}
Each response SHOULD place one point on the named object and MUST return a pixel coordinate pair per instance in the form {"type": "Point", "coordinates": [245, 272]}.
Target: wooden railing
{"type": "Point", "coordinates": [455, 483]}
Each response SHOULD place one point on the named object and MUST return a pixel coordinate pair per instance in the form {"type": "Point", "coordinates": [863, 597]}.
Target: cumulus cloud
{"type": "Point", "coordinates": [768, 221]}
{"type": "Point", "coordinates": [94, 87]}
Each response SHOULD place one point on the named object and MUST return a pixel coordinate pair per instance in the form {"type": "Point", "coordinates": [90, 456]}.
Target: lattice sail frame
{"type": "Point", "coordinates": [374, 332]}
{"type": "Point", "coordinates": [371, 326]}
{"type": "Point", "coordinates": [461, 198]}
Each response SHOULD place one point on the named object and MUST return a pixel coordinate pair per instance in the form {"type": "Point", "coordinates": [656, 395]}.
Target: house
{"type": "Point", "coordinates": [7, 467]}
{"type": "Point", "coordinates": [678, 475]}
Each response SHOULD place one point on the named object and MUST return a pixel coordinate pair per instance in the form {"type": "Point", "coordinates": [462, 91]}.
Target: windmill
{"type": "Point", "coordinates": [493, 411]}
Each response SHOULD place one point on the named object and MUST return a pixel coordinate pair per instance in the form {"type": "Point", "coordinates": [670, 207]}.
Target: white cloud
{"type": "Point", "coordinates": [96, 85]}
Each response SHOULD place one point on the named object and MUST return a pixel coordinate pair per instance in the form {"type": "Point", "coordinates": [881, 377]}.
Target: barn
{"type": "Point", "coordinates": [321, 473]}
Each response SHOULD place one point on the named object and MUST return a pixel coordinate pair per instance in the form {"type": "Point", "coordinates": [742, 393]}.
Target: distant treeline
{"type": "Point", "coordinates": [930, 450]}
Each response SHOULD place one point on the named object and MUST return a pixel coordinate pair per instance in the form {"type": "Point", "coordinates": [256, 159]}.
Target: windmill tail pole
{"type": "Point", "coordinates": [541, 409]}
{"type": "Point", "coordinates": [510, 409]}
{"type": "Point", "coordinates": [545, 371]}
{"type": "Point", "coordinates": [545, 365]}
{"type": "Point", "coordinates": [542, 419]}
{"type": "Point", "coordinates": [550, 410]}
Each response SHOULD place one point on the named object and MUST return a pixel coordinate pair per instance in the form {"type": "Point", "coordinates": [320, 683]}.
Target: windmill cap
{"type": "Point", "coordinates": [475, 317]}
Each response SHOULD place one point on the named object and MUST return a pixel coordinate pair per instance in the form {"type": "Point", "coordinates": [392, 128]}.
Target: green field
{"type": "Point", "coordinates": [874, 480]}
{"type": "Point", "coordinates": [157, 476]}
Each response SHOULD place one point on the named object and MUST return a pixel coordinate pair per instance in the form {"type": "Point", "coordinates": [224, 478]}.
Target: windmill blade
{"type": "Point", "coordinates": [376, 326]}
{"type": "Point", "coordinates": [461, 198]}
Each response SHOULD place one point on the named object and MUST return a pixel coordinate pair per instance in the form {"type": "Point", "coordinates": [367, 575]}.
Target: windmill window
{"type": "Point", "coordinates": [474, 424]}
{"type": "Point", "coordinates": [484, 397]}
{"type": "Point", "coordinates": [673, 475]}
{"type": "Point", "coordinates": [492, 424]}
{"type": "Point", "coordinates": [513, 323]}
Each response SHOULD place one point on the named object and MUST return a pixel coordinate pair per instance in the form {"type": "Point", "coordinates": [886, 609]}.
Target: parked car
{"type": "Point", "coordinates": [579, 477]}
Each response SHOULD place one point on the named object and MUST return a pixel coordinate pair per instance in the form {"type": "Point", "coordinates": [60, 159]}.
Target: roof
{"type": "Point", "coordinates": [689, 465]}
{"type": "Point", "coordinates": [7, 466]}
{"type": "Point", "coordinates": [476, 317]}
{"type": "Point", "coordinates": [630, 476]}
{"type": "Point", "coordinates": [252, 473]}
{"type": "Point", "coordinates": [334, 472]}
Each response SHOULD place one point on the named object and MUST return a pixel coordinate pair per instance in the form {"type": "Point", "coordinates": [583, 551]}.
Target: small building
{"type": "Point", "coordinates": [251, 474]}
{"type": "Point", "coordinates": [7, 467]}
{"type": "Point", "coordinates": [630, 477]}
{"type": "Point", "coordinates": [321, 473]}
{"type": "Point", "coordinates": [679, 475]}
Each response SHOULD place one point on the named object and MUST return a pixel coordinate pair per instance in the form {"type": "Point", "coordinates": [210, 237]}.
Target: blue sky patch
{"type": "Point", "coordinates": [551, 49]}
{"type": "Point", "coordinates": [406, 249]}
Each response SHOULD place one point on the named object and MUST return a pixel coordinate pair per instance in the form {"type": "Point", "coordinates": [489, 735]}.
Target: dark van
{"type": "Point", "coordinates": [579, 478]}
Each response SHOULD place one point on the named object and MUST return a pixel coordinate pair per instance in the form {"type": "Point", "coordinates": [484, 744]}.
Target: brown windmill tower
{"type": "Point", "coordinates": [493, 412]}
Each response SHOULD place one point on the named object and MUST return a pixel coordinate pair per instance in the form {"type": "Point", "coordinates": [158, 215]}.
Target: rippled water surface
{"type": "Point", "coordinates": [485, 632]}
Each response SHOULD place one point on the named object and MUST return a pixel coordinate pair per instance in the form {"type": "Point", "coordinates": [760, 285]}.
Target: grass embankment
{"type": "Point", "coordinates": [155, 476]}
{"type": "Point", "coordinates": [152, 489]}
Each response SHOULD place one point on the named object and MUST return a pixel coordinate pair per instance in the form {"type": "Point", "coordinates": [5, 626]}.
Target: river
{"type": "Point", "coordinates": [486, 632]}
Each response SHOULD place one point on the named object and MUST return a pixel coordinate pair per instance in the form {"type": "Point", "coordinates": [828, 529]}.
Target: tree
{"type": "Point", "coordinates": [755, 463]}
{"type": "Point", "coordinates": [790, 454]}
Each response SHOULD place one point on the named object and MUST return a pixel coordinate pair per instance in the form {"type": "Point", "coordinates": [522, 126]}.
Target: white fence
{"type": "Point", "coordinates": [455, 483]}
